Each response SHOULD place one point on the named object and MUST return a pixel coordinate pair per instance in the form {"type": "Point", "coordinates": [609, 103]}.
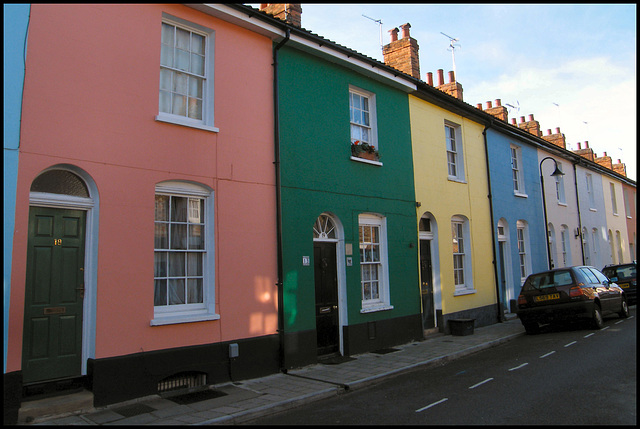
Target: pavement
{"type": "Point", "coordinates": [244, 401]}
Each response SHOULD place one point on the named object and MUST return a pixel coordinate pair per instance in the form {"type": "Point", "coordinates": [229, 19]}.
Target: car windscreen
{"type": "Point", "coordinates": [548, 279]}
{"type": "Point", "coordinates": [622, 273]}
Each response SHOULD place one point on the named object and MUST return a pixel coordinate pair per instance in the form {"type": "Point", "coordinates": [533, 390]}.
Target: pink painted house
{"type": "Point", "coordinates": [144, 251]}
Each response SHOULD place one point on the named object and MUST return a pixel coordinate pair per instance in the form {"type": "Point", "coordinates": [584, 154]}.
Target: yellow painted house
{"type": "Point", "coordinates": [453, 211]}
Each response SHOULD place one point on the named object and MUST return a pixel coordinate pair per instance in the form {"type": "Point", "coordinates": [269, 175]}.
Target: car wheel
{"type": "Point", "coordinates": [531, 328]}
{"type": "Point", "coordinates": [624, 310]}
{"type": "Point", "coordinates": [597, 317]}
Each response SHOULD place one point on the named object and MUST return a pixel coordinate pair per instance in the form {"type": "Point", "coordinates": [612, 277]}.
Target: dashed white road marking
{"type": "Point", "coordinates": [618, 322]}
{"type": "Point", "coordinates": [588, 335]}
{"type": "Point", "coordinates": [548, 354]}
{"type": "Point", "coordinates": [431, 405]}
{"type": "Point", "coordinates": [518, 367]}
{"type": "Point", "coordinates": [606, 327]}
{"type": "Point", "coordinates": [482, 382]}
{"type": "Point", "coordinates": [570, 344]}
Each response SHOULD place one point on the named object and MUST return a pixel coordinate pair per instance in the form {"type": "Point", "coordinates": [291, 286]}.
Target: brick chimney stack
{"type": "Point", "coordinates": [620, 168]}
{"type": "Point", "coordinates": [605, 161]}
{"type": "Point", "coordinates": [557, 139]}
{"type": "Point", "coordinates": [452, 88]}
{"type": "Point", "coordinates": [402, 54]}
{"type": "Point", "coordinates": [498, 111]}
{"type": "Point", "coordinates": [289, 12]}
{"type": "Point", "coordinates": [531, 126]}
{"type": "Point", "coordinates": [585, 152]}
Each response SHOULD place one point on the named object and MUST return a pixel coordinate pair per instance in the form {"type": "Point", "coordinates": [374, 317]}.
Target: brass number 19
{"type": "Point", "coordinates": [57, 241]}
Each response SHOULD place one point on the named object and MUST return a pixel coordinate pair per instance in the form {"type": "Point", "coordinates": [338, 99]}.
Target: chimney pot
{"type": "Point", "coordinates": [394, 34]}
{"type": "Point", "coordinates": [605, 154]}
{"type": "Point", "coordinates": [405, 29]}
{"type": "Point", "coordinates": [521, 118]}
{"type": "Point", "coordinates": [479, 106]}
{"type": "Point", "coordinates": [452, 77]}
{"type": "Point", "coordinates": [498, 103]}
{"type": "Point", "coordinates": [489, 106]}
{"type": "Point", "coordinates": [531, 117]}
{"type": "Point", "coordinates": [619, 162]}
{"type": "Point", "coordinates": [549, 132]}
{"type": "Point", "coordinates": [430, 78]}
{"type": "Point", "coordinates": [513, 121]}
{"type": "Point", "coordinates": [579, 146]}
{"type": "Point", "coordinates": [558, 130]}
{"type": "Point", "coordinates": [586, 144]}
{"type": "Point", "coordinates": [440, 77]}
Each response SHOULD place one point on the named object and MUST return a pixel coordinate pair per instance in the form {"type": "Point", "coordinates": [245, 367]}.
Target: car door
{"type": "Point", "coordinates": [612, 293]}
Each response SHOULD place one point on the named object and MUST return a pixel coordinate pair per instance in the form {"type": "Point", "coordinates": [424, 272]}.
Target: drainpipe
{"type": "Point", "coordinates": [575, 182]}
{"type": "Point", "coordinates": [276, 141]}
{"type": "Point", "coordinates": [493, 228]}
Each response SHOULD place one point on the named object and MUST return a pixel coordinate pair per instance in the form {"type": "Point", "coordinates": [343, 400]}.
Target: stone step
{"type": "Point", "coordinates": [32, 410]}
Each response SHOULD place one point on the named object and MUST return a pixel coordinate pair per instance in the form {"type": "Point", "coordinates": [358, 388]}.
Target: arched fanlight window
{"type": "Point", "coordinates": [60, 182]}
{"type": "Point", "coordinates": [324, 228]}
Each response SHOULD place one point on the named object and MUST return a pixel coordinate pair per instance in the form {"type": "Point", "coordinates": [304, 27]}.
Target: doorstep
{"type": "Point", "coordinates": [31, 410]}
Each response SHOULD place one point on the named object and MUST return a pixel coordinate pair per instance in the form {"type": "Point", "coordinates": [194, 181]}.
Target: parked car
{"type": "Point", "coordinates": [570, 293]}
{"type": "Point", "coordinates": [625, 277]}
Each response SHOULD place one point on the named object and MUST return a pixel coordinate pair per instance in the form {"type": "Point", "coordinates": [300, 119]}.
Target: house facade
{"type": "Point", "coordinates": [350, 278]}
{"type": "Point", "coordinates": [136, 258]}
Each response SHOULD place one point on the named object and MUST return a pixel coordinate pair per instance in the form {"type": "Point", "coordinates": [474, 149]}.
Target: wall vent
{"type": "Point", "coordinates": [182, 380]}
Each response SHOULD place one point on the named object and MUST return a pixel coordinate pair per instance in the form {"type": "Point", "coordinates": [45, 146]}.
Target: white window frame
{"type": "Point", "coordinates": [516, 171]}
{"type": "Point", "coordinates": [524, 253]}
{"type": "Point", "coordinates": [372, 127]}
{"type": "Point", "coordinates": [383, 302]}
{"type": "Point", "coordinates": [560, 186]}
{"type": "Point", "coordinates": [460, 230]}
{"type": "Point", "coordinates": [565, 245]}
{"type": "Point", "coordinates": [455, 152]}
{"type": "Point", "coordinates": [592, 201]}
{"type": "Point", "coordinates": [185, 313]}
{"type": "Point", "coordinates": [207, 121]}
{"type": "Point", "coordinates": [614, 201]}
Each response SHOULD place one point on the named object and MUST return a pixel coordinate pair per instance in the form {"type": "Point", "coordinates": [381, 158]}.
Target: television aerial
{"type": "Point", "coordinates": [515, 107]}
{"type": "Point", "coordinates": [452, 48]}
{"type": "Point", "coordinates": [379, 21]}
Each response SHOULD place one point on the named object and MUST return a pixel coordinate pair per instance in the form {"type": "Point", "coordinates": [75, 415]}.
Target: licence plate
{"type": "Point", "coordinates": [548, 297]}
{"type": "Point", "coordinates": [623, 285]}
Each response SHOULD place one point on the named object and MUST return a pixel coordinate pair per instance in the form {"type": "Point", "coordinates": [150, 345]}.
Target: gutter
{"type": "Point", "coordinates": [575, 182]}
{"type": "Point", "coordinates": [493, 227]}
{"type": "Point", "coordinates": [276, 141]}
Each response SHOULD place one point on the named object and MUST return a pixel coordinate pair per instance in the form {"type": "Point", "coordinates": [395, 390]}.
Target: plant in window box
{"type": "Point", "coordinates": [364, 150]}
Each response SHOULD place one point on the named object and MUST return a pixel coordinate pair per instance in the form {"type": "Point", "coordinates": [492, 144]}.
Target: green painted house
{"type": "Point", "coordinates": [348, 212]}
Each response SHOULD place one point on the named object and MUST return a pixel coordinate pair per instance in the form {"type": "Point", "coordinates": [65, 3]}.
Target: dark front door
{"type": "Point", "coordinates": [326, 282]}
{"type": "Point", "coordinates": [503, 277]}
{"type": "Point", "coordinates": [426, 289]}
{"type": "Point", "coordinates": [54, 292]}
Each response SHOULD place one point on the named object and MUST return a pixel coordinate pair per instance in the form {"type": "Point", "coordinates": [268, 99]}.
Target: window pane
{"type": "Point", "coordinates": [167, 33]}
{"type": "Point", "coordinates": [195, 87]}
{"type": "Point", "coordinates": [160, 266]}
{"type": "Point", "coordinates": [365, 118]}
{"type": "Point", "coordinates": [160, 292]}
{"type": "Point", "coordinates": [196, 236]}
{"type": "Point", "coordinates": [179, 105]}
{"type": "Point", "coordinates": [194, 291]}
{"type": "Point", "coordinates": [180, 83]}
{"type": "Point", "coordinates": [176, 264]}
{"type": "Point", "coordinates": [176, 291]}
{"type": "Point", "coordinates": [195, 108]}
{"type": "Point", "coordinates": [182, 60]}
{"type": "Point", "coordinates": [197, 64]}
{"type": "Point", "coordinates": [166, 55]}
{"type": "Point", "coordinates": [194, 264]}
{"type": "Point", "coordinates": [162, 208]}
{"type": "Point", "coordinates": [165, 102]}
{"type": "Point", "coordinates": [161, 236]}
{"type": "Point", "coordinates": [178, 209]}
{"type": "Point", "coordinates": [179, 236]}
{"type": "Point", "coordinates": [197, 44]}
{"type": "Point", "coordinates": [182, 39]}
{"type": "Point", "coordinates": [165, 79]}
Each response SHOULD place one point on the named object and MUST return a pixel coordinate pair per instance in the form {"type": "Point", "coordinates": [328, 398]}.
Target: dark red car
{"type": "Point", "coordinates": [570, 293]}
{"type": "Point", "coordinates": [624, 275]}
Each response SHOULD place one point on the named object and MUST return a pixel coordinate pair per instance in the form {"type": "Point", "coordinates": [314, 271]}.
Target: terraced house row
{"type": "Point", "coordinates": [204, 193]}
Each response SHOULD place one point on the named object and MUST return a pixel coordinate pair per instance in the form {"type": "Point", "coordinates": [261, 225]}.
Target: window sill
{"type": "Point", "coordinates": [464, 292]}
{"type": "Point", "coordinates": [366, 161]}
{"type": "Point", "coordinates": [172, 320]}
{"type": "Point", "coordinates": [455, 179]}
{"type": "Point", "coordinates": [185, 122]}
{"type": "Point", "coordinates": [373, 309]}
{"type": "Point", "coordinates": [520, 195]}
{"type": "Point", "coordinates": [593, 210]}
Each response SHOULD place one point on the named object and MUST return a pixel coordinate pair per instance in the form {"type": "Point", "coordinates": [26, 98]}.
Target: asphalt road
{"type": "Point", "coordinates": [568, 375]}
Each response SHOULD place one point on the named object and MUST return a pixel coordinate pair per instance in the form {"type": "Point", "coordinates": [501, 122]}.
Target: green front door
{"type": "Point", "coordinates": [52, 338]}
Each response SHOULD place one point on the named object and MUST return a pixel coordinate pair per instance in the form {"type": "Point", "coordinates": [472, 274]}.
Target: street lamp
{"type": "Point", "coordinates": [556, 172]}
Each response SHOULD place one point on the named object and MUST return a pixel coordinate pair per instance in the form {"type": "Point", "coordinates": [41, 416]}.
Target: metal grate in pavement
{"type": "Point", "coordinates": [134, 410]}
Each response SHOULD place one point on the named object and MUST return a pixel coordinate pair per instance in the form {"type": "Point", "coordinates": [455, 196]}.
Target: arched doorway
{"type": "Point", "coordinates": [325, 256]}
{"type": "Point", "coordinates": [60, 277]}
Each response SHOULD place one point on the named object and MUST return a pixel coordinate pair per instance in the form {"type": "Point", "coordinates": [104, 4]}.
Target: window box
{"type": "Point", "coordinates": [364, 150]}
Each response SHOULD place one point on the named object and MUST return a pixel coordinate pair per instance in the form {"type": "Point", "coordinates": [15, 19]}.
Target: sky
{"type": "Point", "coordinates": [571, 66]}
